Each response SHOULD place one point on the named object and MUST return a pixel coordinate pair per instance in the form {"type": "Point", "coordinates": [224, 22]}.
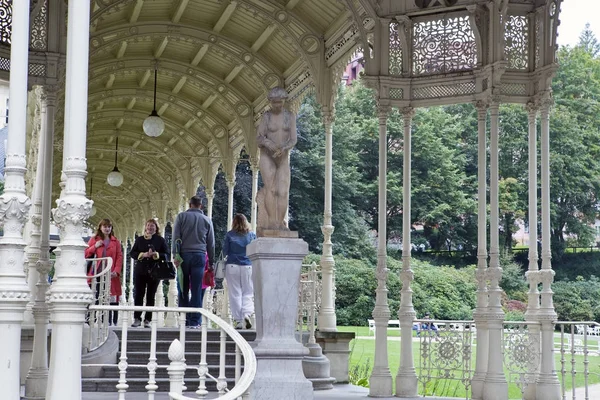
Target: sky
{"type": "Point", "coordinates": [574, 14]}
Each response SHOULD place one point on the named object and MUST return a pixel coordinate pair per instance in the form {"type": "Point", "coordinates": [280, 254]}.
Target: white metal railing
{"type": "Point", "coordinates": [309, 300]}
{"type": "Point", "coordinates": [445, 349]}
{"type": "Point", "coordinates": [578, 344]}
{"type": "Point", "coordinates": [177, 367]}
{"type": "Point", "coordinates": [98, 320]}
{"type": "Point", "coordinates": [522, 352]}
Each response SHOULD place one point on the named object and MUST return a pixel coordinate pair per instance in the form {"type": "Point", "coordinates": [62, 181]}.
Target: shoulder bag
{"type": "Point", "coordinates": [162, 270]}
{"type": "Point", "coordinates": [220, 267]}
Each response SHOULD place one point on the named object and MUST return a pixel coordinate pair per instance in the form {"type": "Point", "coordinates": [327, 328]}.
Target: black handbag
{"type": "Point", "coordinates": [163, 270]}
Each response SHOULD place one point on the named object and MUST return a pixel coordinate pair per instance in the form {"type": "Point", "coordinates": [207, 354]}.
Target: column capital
{"type": "Point", "coordinates": [482, 107]}
{"type": "Point", "coordinates": [545, 102]}
{"type": "Point", "coordinates": [230, 182]}
{"type": "Point", "coordinates": [254, 163]}
{"type": "Point", "coordinates": [408, 113]}
{"type": "Point", "coordinates": [383, 111]}
{"type": "Point", "coordinates": [532, 109]}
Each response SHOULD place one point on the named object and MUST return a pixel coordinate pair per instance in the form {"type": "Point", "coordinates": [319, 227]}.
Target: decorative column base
{"type": "Point", "coordinates": [495, 387]}
{"type": "Point", "coordinates": [478, 381]}
{"type": "Point", "coordinates": [316, 368]}
{"type": "Point", "coordinates": [406, 379]}
{"type": "Point", "coordinates": [276, 265]}
{"type": "Point", "coordinates": [548, 385]}
{"type": "Point", "coordinates": [336, 347]}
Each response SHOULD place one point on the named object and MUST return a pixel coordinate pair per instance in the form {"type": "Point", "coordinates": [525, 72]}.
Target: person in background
{"type": "Point", "coordinates": [105, 244]}
{"type": "Point", "coordinates": [429, 326]}
{"type": "Point", "coordinates": [195, 232]}
{"type": "Point", "coordinates": [238, 272]}
{"type": "Point", "coordinates": [146, 250]}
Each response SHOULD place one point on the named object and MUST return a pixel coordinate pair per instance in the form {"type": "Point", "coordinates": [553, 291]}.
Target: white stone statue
{"type": "Point", "coordinates": [276, 136]}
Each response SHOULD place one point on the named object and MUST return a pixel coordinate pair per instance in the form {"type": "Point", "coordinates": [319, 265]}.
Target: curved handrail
{"type": "Point", "coordinates": [100, 283]}
{"type": "Point", "coordinates": [106, 269]}
{"type": "Point", "coordinates": [247, 377]}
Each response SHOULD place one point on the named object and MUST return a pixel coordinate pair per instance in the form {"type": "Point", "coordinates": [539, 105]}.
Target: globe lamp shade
{"type": "Point", "coordinates": [153, 125]}
{"type": "Point", "coordinates": [115, 178]}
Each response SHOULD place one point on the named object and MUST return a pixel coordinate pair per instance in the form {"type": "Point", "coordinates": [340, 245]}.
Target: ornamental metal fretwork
{"type": "Point", "coordinates": [516, 42]}
{"type": "Point", "coordinates": [39, 29]}
{"type": "Point", "coordinates": [445, 363]}
{"type": "Point", "coordinates": [395, 66]}
{"type": "Point", "coordinates": [521, 353]}
{"type": "Point", "coordinates": [5, 21]}
{"type": "Point", "coordinates": [443, 45]}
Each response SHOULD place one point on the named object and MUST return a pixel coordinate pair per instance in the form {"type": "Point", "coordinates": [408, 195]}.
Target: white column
{"type": "Point", "coordinates": [532, 275]}
{"type": "Point", "coordinates": [548, 386]}
{"type": "Point", "coordinates": [380, 381]}
{"type": "Point", "coordinates": [406, 379]}
{"type": "Point", "coordinates": [14, 208]}
{"type": "Point", "coordinates": [230, 187]}
{"type": "Point", "coordinates": [210, 196]}
{"type": "Point", "coordinates": [479, 315]}
{"type": "Point", "coordinates": [37, 378]}
{"type": "Point", "coordinates": [33, 227]}
{"type": "Point", "coordinates": [253, 213]}
{"type": "Point", "coordinates": [69, 295]}
{"type": "Point", "coordinates": [496, 387]}
{"type": "Point", "coordinates": [327, 320]}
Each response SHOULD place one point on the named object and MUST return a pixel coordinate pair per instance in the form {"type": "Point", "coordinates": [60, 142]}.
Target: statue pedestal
{"type": "Point", "coordinates": [276, 265]}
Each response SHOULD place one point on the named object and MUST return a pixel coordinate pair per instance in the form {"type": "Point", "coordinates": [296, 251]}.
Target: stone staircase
{"type": "Point", "coordinates": [138, 352]}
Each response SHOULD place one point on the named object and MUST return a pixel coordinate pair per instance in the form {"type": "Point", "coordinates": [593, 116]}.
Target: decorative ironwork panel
{"type": "Point", "coordinates": [341, 42]}
{"type": "Point", "coordinates": [516, 41]}
{"type": "Point", "coordinates": [37, 69]}
{"type": "Point", "coordinates": [514, 89]}
{"type": "Point", "coordinates": [521, 354]}
{"type": "Point", "coordinates": [4, 64]}
{"type": "Point", "coordinates": [396, 93]}
{"type": "Point", "coordinates": [446, 349]}
{"type": "Point", "coordinates": [443, 45]}
{"type": "Point", "coordinates": [5, 21]}
{"type": "Point", "coordinates": [395, 50]}
{"type": "Point", "coordinates": [457, 89]}
{"type": "Point", "coordinates": [39, 29]}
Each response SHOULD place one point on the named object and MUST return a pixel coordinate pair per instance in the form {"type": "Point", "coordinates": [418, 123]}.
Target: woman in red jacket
{"type": "Point", "coordinates": [105, 244]}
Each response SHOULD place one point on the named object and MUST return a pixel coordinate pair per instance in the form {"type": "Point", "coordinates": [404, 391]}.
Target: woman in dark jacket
{"type": "Point", "coordinates": [146, 250]}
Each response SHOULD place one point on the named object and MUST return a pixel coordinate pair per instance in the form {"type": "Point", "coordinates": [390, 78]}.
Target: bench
{"type": "Point", "coordinates": [392, 324]}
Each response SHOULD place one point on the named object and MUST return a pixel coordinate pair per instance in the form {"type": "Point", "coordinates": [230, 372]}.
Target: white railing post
{"type": "Point", "coordinates": [151, 387]}
{"type": "Point", "coordinates": [177, 367]}
{"type": "Point", "coordinates": [14, 209]}
{"type": "Point", "coordinates": [171, 319]}
{"type": "Point", "coordinates": [159, 300]}
{"type": "Point", "coordinates": [69, 294]}
{"type": "Point", "coordinates": [203, 366]}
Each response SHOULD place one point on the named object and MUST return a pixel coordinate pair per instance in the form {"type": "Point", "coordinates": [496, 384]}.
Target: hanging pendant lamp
{"type": "Point", "coordinates": [154, 125]}
{"type": "Point", "coordinates": [115, 178]}
{"type": "Point", "coordinates": [93, 211]}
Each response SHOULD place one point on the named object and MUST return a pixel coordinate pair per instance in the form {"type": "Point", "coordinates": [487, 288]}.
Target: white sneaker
{"type": "Point", "coordinates": [248, 322]}
{"type": "Point", "coordinates": [239, 325]}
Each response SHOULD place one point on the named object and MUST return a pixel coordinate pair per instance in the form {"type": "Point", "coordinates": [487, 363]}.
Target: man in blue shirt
{"type": "Point", "coordinates": [194, 235]}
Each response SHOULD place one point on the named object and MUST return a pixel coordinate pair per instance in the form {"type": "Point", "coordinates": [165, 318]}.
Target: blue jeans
{"type": "Point", "coordinates": [193, 271]}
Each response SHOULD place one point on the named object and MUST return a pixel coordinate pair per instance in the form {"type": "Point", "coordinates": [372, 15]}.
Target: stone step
{"type": "Point", "coordinates": [190, 345]}
{"type": "Point", "coordinates": [191, 357]}
{"type": "Point", "coordinates": [191, 374]}
{"type": "Point", "coordinates": [139, 385]}
{"type": "Point", "coordinates": [169, 334]}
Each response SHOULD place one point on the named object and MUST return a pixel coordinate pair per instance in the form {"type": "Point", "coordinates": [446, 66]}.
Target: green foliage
{"type": "Point", "coordinates": [359, 374]}
{"type": "Point", "coordinates": [577, 300]}
{"type": "Point", "coordinates": [513, 279]}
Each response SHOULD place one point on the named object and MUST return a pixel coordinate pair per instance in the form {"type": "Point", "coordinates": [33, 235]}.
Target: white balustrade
{"type": "Point", "coordinates": [98, 320]}
{"type": "Point", "coordinates": [177, 367]}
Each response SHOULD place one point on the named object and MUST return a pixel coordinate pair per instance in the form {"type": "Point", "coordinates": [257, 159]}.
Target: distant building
{"type": "Point", "coordinates": [353, 69]}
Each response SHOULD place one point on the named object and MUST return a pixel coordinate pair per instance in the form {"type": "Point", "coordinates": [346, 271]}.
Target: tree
{"type": "Point", "coordinates": [510, 209]}
{"type": "Point", "coordinates": [587, 40]}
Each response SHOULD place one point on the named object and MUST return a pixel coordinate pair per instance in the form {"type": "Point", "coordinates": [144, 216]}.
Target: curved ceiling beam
{"type": "Point", "coordinates": [242, 54]}
{"type": "Point", "coordinates": [163, 157]}
{"type": "Point", "coordinates": [108, 209]}
{"type": "Point", "coordinates": [221, 88]}
{"type": "Point", "coordinates": [134, 115]}
{"type": "Point", "coordinates": [279, 17]}
{"type": "Point", "coordinates": [182, 105]}
{"type": "Point", "coordinates": [139, 176]}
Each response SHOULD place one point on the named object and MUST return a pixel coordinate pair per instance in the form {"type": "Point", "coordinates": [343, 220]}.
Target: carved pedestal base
{"type": "Point", "coordinates": [276, 265]}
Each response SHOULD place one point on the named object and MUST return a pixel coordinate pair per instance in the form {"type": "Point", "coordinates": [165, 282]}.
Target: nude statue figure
{"type": "Point", "coordinates": [276, 136]}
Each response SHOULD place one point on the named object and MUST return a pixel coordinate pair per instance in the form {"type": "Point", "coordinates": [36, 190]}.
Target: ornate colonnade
{"type": "Point", "coordinates": [432, 53]}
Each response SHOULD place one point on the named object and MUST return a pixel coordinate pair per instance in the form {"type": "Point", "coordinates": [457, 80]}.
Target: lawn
{"type": "Point", "coordinates": [363, 351]}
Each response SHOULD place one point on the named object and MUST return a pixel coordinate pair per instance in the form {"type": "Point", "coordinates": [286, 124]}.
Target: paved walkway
{"type": "Point", "coordinates": [339, 392]}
